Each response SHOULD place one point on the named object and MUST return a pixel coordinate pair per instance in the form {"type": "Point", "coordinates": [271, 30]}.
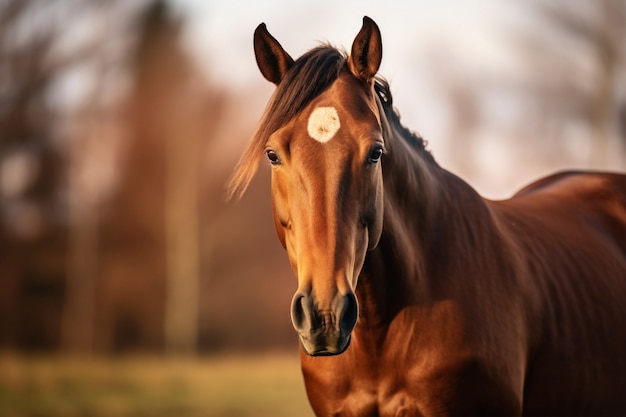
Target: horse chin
{"type": "Point", "coordinates": [316, 348]}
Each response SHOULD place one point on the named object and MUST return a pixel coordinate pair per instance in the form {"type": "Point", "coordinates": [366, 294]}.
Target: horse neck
{"type": "Point", "coordinates": [428, 214]}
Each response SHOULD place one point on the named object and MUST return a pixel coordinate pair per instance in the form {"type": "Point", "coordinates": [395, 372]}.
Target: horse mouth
{"type": "Point", "coordinates": [319, 346]}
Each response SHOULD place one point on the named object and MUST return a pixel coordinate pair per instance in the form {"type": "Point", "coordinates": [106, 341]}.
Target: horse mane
{"type": "Point", "coordinates": [381, 87]}
{"type": "Point", "coordinates": [308, 77]}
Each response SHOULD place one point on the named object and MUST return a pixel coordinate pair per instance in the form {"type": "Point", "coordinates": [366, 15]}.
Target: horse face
{"type": "Point", "coordinates": [327, 194]}
{"type": "Point", "coordinates": [327, 203]}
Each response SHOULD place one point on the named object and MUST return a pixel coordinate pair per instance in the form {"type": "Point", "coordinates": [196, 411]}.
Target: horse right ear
{"type": "Point", "coordinates": [271, 58]}
{"type": "Point", "coordinates": [367, 52]}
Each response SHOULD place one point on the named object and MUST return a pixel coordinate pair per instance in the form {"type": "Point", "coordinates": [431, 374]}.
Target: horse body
{"type": "Point", "coordinates": [417, 297]}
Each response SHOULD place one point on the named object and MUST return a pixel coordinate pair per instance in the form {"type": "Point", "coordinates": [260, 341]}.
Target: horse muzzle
{"type": "Point", "coordinates": [324, 332]}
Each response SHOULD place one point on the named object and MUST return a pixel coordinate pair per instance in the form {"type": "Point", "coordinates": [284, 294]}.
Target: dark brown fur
{"type": "Point", "coordinates": [465, 306]}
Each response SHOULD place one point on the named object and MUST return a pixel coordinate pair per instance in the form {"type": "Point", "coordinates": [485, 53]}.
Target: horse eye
{"type": "Point", "coordinates": [375, 155]}
{"type": "Point", "coordinates": [273, 157]}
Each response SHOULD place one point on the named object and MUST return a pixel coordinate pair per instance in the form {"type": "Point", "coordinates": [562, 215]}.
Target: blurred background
{"type": "Point", "coordinates": [129, 285]}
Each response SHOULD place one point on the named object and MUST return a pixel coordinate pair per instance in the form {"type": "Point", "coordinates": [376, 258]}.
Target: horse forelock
{"type": "Point", "coordinates": [309, 76]}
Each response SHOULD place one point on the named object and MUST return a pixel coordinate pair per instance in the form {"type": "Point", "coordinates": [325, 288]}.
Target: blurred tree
{"type": "Point", "coordinates": [588, 73]}
{"type": "Point", "coordinates": [552, 94]}
{"type": "Point", "coordinates": [165, 79]}
{"type": "Point", "coordinates": [152, 239]}
{"type": "Point", "coordinates": [32, 220]}
{"type": "Point", "coordinates": [92, 138]}
{"type": "Point", "coordinates": [59, 65]}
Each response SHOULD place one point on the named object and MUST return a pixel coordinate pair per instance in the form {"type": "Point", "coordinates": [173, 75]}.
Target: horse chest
{"type": "Point", "coordinates": [361, 400]}
{"type": "Point", "coordinates": [396, 386]}
{"type": "Point", "coordinates": [362, 391]}
{"type": "Point", "coordinates": [398, 404]}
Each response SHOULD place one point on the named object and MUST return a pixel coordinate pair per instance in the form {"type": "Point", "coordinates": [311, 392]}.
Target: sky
{"type": "Point", "coordinates": [409, 28]}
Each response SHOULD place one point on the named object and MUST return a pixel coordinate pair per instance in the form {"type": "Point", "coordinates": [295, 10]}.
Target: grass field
{"type": "Point", "coordinates": [224, 386]}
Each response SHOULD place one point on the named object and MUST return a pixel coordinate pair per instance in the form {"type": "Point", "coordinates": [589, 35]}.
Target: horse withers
{"type": "Point", "coordinates": [417, 297]}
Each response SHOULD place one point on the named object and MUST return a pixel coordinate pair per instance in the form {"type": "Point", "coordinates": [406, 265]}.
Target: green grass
{"type": "Point", "coordinates": [224, 386]}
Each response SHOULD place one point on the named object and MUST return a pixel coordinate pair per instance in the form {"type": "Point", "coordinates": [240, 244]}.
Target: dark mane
{"type": "Point", "coordinates": [309, 76]}
{"type": "Point", "coordinates": [381, 86]}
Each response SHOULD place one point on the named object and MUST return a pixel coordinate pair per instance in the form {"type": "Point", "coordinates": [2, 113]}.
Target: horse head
{"type": "Point", "coordinates": [327, 191]}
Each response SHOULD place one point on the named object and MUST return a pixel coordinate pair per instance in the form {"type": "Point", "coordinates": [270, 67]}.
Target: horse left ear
{"type": "Point", "coordinates": [367, 52]}
{"type": "Point", "coordinates": [273, 60]}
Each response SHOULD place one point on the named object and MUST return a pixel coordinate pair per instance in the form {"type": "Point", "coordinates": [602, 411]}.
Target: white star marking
{"type": "Point", "coordinates": [323, 124]}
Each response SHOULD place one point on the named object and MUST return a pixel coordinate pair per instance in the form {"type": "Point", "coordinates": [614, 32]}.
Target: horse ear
{"type": "Point", "coordinates": [271, 58]}
{"type": "Point", "coordinates": [367, 51]}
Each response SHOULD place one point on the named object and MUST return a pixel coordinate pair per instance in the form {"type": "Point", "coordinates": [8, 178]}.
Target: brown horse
{"type": "Point", "coordinates": [417, 297]}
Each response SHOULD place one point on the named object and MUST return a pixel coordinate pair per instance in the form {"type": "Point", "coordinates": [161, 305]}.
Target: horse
{"type": "Point", "coordinates": [416, 296]}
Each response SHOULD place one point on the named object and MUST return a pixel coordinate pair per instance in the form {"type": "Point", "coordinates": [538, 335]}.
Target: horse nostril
{"type": "Point", "coordinates": [298, 315]}
{"type": "Point", "coordinates": [349, 314]}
